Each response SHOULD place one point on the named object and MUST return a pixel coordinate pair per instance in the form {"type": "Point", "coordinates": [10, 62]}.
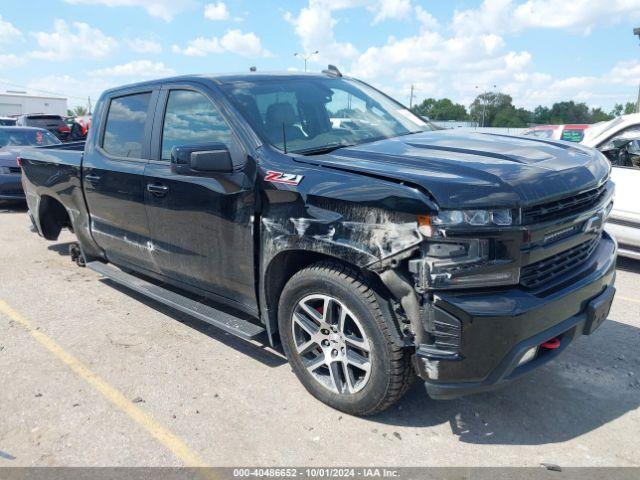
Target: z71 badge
{"type": "Point", "coordinates": [280, 177]}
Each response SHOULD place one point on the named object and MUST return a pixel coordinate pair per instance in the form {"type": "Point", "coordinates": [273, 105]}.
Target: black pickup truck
{"type": "Point", "coordinates": [317, 211]}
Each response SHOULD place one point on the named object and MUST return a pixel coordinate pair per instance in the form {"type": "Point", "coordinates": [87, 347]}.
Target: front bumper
{"type": "Point", "coordinates": [11, 187]}
{"type": "Point", "coordinates": [497, 327]}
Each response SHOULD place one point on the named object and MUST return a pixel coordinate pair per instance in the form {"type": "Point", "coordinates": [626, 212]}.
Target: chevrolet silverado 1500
{"type": "Point", "coordinates": [335, 223]}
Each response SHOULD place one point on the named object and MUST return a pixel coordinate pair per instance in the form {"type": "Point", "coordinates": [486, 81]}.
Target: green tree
{"type": "Point", "coordinates": [617, 110]}
{"type": "Point", "coordinates": [487, 105]}
{"type": "Point", "coordinates": [569, 112]}
{"type": "Point", "coordinates": [511, 117]}
{"type": "Point", "coordinates": [598, 115]}
{"type": "Point", "coordinates": [541, 115]}
{"type": "Point", "coordinates": [442, 109]}
{"type": "Point", "coordinates": [80, 111]}
{"type": "Point", "coordinates": [630, 107]}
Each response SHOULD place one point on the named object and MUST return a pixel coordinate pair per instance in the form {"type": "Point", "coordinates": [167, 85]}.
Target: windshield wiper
{"type": "Point", "coordinates": [323, 149]}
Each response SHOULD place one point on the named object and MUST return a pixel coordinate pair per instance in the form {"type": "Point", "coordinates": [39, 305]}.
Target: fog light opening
{"type": "Point", "coordinates": [528, 356]}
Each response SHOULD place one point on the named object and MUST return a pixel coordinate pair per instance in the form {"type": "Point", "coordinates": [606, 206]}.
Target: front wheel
{"type": "Point", "coordinates": [338, 342]}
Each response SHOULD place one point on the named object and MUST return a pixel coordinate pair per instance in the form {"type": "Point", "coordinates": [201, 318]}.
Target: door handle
{"type": "Point", "coordinates": [157, 189]}
{"type": "Point", "coordinates": [92, 178]}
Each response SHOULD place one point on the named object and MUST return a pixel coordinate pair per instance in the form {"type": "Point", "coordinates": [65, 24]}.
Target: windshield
{"type": "Point", "coordinates": [601, 127]}
{"type": "Point", "coordinates": [307, 115]}
{"type": "Point", "coordinates": [540, 133]}
{"type": "Point", "coordinates": [17, 137]}
{"type": "Point", "coordinates": [7, 122]}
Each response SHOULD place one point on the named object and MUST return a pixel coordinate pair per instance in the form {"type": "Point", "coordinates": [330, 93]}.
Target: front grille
{"type": "Point", "coordinates": [544, 271]}
{"type": "Point", "coordinates": [564, 207]}
{"type": "Point", "coordinates": [15, 169]}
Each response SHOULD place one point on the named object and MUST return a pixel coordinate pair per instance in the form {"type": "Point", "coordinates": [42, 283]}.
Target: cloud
{"type": "Point", "coordinates": [216, 11]}
{"type": "Point", "coordinates": [164, 9]}
{"type": "Point", "coordinates": [8, 33]}
{"type": "Point", "coordinates": [77, 90]}
{"type": "Point", "coordinates": [141, 45]}
{"type": "Point", "coordinates": [391, 9]}
{"type": "Point", "coordinates": [137, 69]}
{"type": "Point", "coordinates": [508, 16]}
{"type": "Point", "coordinates": [314, 26]}
{"type": "Point", "coordinates": [81, 41]}
{"type": "Point", "coordinates": [199, 47]}
{"type": "Point", "coordinates": [234, 41]}
{"type": "Point", "coordinates": [10, 61]}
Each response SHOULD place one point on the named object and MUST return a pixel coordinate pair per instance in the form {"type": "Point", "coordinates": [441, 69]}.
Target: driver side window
{"type": "Point", "coordinates": [190, 118]}
{"type": "Point", "coordinates": [623, 149]}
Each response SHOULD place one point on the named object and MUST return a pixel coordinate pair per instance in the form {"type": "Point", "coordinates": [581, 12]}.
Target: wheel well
{"type": "Point", "coordinates": [286, 264]}
{"type": "Point", "coordinates": [53, 217]}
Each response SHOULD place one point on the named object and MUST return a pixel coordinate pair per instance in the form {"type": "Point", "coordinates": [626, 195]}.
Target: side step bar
{"type": "Point", "coordinates": [224, 321]}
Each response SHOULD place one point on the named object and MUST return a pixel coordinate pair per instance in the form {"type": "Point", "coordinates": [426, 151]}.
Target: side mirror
{"type": "Point", "coordinates": [204, 158]}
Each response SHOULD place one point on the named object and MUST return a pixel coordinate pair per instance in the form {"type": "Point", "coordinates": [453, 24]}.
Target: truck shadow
{"type": "Point", "coordinates": [596, 381]}
{"type": "Point", "coordinates": [258, 350]}
{"type": "Point", "coordinates": [628, 265]}
{"type": "Point", "coordinates": [13, 207]}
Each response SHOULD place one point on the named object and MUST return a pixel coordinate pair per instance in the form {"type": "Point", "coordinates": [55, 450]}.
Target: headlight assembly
{"type": "Point", "coordinates": [499, 217]}
{"type": "Point", "coordinates": [460, 259]}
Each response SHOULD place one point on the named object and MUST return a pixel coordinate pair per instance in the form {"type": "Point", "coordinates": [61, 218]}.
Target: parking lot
{"type": "Point", "coordinates": [92, 374]}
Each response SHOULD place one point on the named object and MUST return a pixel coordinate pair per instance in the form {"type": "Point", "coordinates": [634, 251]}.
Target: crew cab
{"type": "Point", "coordinates": [372, 249]}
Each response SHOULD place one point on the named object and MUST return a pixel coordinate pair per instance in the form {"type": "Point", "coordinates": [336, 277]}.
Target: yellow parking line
{"type": "Point", "coordinates": [627, 299]}
{"type": "Point", "coordinates": [146, 421]}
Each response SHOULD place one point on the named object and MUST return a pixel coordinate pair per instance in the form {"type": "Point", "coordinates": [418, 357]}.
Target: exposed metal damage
{"type": "Point", "coordinates": [372, 238]}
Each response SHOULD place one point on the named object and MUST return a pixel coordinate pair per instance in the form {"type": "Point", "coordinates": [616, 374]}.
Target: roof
{"type": "Point", "coordinates": [27, 95]}
{"type": "Point", "coordinates": [223, 78]}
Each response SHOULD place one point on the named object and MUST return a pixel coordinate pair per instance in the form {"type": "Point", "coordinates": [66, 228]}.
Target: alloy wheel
{"type": "Point", "coordinates": [332, 344]}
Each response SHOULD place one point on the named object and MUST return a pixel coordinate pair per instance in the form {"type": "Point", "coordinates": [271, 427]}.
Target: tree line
{"type": "Point", "coordinates": [495, 109]}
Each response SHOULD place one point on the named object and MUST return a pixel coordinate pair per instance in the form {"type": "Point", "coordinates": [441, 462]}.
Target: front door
{"type": "Point", "coordinates": [113, 176]}
{"type": "Point", "coordinates": [200, 223]}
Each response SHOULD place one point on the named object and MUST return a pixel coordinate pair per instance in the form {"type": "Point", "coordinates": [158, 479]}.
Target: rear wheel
{"type": "Point", "coordinates": [338, 342]}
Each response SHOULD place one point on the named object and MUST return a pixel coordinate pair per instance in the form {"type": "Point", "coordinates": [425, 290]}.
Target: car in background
{"type": "Point", "coordinates": [573, 132]}
{"type": "Point", "coordinates": [54, 123]}
{"type": "Point", "coordinates": [80, 128]}
{"type": "Point", "coordinates": [569, 132]}
{"type": "Point", "coordinates": [12, 140]}
{"type": "Point", "coordinates": [601, 135]}
{"type": "Point", "coordinates": [7, 121]}
{"type": "Point", "coordinates": [624, 221]}
{"type": "Point", "coordinates": [619, 141]}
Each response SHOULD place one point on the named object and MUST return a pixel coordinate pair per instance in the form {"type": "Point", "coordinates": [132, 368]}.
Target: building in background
{"type": "Point", "coordinates": [19, 103]}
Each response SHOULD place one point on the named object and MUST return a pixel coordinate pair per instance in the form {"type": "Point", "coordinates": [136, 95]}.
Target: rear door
{"type": "Point", "coordinates": [201, 223]}
{"type": "Point", "coordinates": [113, 175]}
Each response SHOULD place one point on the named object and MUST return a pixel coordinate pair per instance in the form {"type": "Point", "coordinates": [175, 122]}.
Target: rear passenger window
{"type": "Point", "coordinates": [191, 119]}
{"type": "Point", "coordinates": [124, 130]}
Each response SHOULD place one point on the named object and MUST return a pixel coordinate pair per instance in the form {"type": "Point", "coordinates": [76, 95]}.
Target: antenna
{"type": "Point", "coordinates": [332, 71]}
{"type": "Point", "coordinates": [284, 139]}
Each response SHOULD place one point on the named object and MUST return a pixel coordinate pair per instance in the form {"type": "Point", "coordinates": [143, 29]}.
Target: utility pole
{"type": "Point", "coordinates": [636, 31]}
{"type": "Point", "coordinates": [411, 98]}
{"type": "Point", "coordinates": [305, 57]}
{"type": "Point", "coordinates": [89, 102]}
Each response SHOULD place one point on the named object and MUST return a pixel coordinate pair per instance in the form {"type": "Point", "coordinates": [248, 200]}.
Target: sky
{"type": "Point", "coordinates": [538, 51]}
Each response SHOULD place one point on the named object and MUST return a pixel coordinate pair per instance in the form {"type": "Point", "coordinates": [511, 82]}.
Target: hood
{"type": "Point", "coordinates": [465, 170]}
{"type": "Point", "coordinates": [8, 156]}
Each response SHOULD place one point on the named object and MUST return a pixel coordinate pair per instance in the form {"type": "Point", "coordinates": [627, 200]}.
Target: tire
{"type": "Point", "coordinates": [338, 342]}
